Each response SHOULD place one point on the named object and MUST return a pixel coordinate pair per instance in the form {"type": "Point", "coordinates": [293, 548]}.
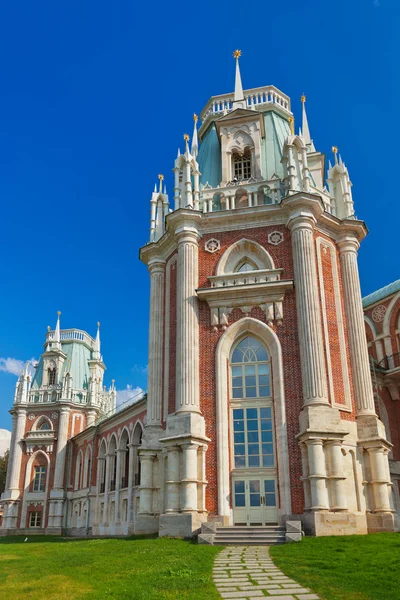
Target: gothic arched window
{"type": "Point", "coordinates": [51, 376]}
{"type": "Point", "coordinates": [245, 265]}
{"type": "Point", "coordinates": [242, 165]}
{"type": "Point", "coordinates": [45, 426]}
{"type": "Point", "coordinates": [250, 366]}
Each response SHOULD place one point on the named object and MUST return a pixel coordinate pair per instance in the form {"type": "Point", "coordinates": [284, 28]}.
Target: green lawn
{"type": "Point", "coordinates": [356, 567]}
{"type": "Point", "coordinates": [52, 568]}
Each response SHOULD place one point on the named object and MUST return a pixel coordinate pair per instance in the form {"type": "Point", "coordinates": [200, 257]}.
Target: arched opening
{"type": "Point", "coordinates": [137, 441]}
{"type": "Point", "coordinates": [254, 485]}
{"type": "Point", "coordinates": [245, 265]}
{"type": "Point", "coordinates": [78, 471]}
{"type": "Point", "coordinates": [51, 374]}
{"type": "Point", "coordinates": [241, 165]}
{"type": "Point", "coordinates": [260, 391]}
{"type": "Point", "coordinates": [113, 463]}
{"type": "Point", "coordinates": [241, 198]}
{"type": "Point", "coordinates": [124, 449]}
{"type": "Point", "coordinates": [102, 468]}
{"type": "Point", "coordinates": [43, 424]}
{"type": "Point", "coordinates": [88, 467]}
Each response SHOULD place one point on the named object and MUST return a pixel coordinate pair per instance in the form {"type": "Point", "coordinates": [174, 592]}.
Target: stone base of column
{"type": "Point", "coordinates": [146, 524]}
{"type": "Point", "coordinates": [185, 423]}
{"type": "Point", "coordinates": [321, 419]}
{"type": "Point", "coordinates": [369, 427]}
{"type": "Point", "coordinates": [380, 522]}
{"type": "Point", "coordinates": [54, 531]}
{"type": "Point", "coordinates": [151, 436]}
{"type": "Point", "coordinates": [325, 522]}
{"type": "Point", "coordinates": [181, 525]}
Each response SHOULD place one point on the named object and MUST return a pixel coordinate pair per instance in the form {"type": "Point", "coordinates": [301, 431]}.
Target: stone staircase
{"type": "Point", "coordinates": [214, 533]}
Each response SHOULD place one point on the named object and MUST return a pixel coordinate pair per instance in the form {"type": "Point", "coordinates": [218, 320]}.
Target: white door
{"type": "Point", "coordinates": [254, 501]}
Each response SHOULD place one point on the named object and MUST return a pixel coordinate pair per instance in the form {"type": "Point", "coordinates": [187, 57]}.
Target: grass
{"type": "Point", "coordinates": [356, 567]}
{"type": "Point", "coordinates": [54, 568]}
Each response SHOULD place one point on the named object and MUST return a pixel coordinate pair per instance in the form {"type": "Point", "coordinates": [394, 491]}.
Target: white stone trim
{"type": "Point", "coordinates": [167, 332]}
{"type": "Point", "coordinates": [270, 339]}
{"type": "Point", "coordinates": [241, 249]}
{"type": "Point", "coordinates": [388, 314]}
{"type": "Point", "coordinates": [339, 320]}
{"type": "Point", "coordinates": [30, 497]}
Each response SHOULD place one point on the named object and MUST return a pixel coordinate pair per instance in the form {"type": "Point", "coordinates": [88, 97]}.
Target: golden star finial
{"type": "Point", "coordinates": [98, 323]}
{"type": "Point", "coordinates": [303, 98]}
{"type": "Point", "coordinates": [48, 328]}
{"type": "Point", "coordinates": [195, 118]}
{"type": "Point", "coordinates": [160, 176]}
{"type": "Point", "coordinates": [186, 137]}
{"type": "Point", "coordinates": [237, 54]}
{"type": "Point", "coordinates": [335, 149]}
{"type": "Point", "coordinates": [59, 312]}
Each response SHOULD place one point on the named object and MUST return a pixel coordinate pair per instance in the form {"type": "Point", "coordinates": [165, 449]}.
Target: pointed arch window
{"type": "Point", "coordinates": [250, 370]}
{"type": "Point", "coordinates": [51, 375]}
{"type": "Point", "coordinates": [242, 165]}
{"type": "Point", "coordinates": [245, 265]}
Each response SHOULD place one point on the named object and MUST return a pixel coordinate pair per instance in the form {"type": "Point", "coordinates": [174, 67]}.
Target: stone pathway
{"type": "Point", "coordinates": [248, 572]}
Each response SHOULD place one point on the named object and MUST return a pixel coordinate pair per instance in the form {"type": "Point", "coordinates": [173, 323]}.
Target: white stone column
{"type": "Point", "coordinates": [156, 336]}
{"type": "Point", "coordinates": [131, 482]}
{"type": "Point", "coordinates": [317, 476]}
{"type": "Point", "coordinates": [118, 484]}
{"type": "Point", "coordinates": [189, 479]}
{"type": "Point", "coordinates": [379, 482]}
{"type": "Point", "coordinates": [337, 477]}
{"type": "Point", "coordinates": [146, 482]}
{"type": "Point", "coordinates": [91, 418]}
{"type": "Point", "coordinates": [173, 480]}
{"type": "Point", "coordinates": [14, 470]}
{"type": "Point", "coordinates": [187, 355]}
{"type": "Point", "coordinates": [62, 436]}
{"type": "Point", "coordinates": [305, 476]}
{"type": "Point", "coordinates": [107, 487]}
{"type": "Point", "coordinates": [363, 392]}
{"type": "Point", "coordinates": [315, 390]}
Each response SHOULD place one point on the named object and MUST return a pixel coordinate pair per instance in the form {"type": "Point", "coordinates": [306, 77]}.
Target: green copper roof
{"type": "Point", "coordinates": [78, 355]}
{"type": "Point", "coordinates": [276, 131]}
{"type": "Point", "coordinates": [384, 292]}
{"type": "Point", "coordinates": [209, 158]}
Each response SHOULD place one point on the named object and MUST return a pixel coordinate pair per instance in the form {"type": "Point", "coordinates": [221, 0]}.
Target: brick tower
{"type": "Point", "coordinates": [260, 402]}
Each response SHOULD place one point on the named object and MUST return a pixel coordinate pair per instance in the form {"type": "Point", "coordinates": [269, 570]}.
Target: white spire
{"type": "Point", "coordinates": [238, 80]}
{"type": "Point", "coordinates": [305, 128]}
{"type": "Point", "coordinates": [96, 350]}
{"type": "Point", "coordinates": [56, 341]}
{"type": "Point", "coordinates": [195, 143]}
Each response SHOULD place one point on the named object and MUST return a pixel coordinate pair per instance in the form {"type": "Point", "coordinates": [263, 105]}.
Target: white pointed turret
{"type": "Point", "coordinates": [159, 208]}
{"type": "Point", "coordinates": [56, 345]}
{"type": "Point", "coordinates": [96, 349]}
{"type": "Point", "coordinates": [187, 191]}
{"type": "Point", "coordinates": [340, 188]}
{"type": "Point", "coordinates": [195, 143]}
{"type": "Point", "coordinates": [239, 96]}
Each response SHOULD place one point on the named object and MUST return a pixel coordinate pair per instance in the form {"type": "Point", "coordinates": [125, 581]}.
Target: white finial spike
{"type": "Point", "coordinates": [155, 188]}
{"type": "Point", "coordinates": [195, 143]}
{"type": "Point", "coordinates": [238, 80]}
{"type": "Point", "coordinates": [305, 128]}
{"type": "Point", "coordinates": [57, 330]}
{"type": "Point", "coordinates": [179, 153]}
{"type": "Point", "coordinates": [27, 368]}
{"type": "Point", "coordinates": [96, 350]}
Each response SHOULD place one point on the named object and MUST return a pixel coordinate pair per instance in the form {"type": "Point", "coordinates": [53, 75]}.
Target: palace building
{"type": "Point", "coordinates": [273, 395]}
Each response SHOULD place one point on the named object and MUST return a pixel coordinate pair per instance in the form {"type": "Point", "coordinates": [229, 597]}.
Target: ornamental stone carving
{"type": "Point", "coordinates": [212, 245]}
{"type": "Point", "coordinates": [378, 314]}
{"type": "Point", "coordinates": [275, 238]}
{"type": "Point", "coordinates": [31, 417]}
{"type": "Point", "coordinates": [54, 416]}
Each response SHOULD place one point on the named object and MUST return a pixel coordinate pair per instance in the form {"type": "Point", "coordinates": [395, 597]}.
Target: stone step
{"type": "Point", "coordinates": [266, 529]}
{"type": "Point", "coordinates": [247, 542]}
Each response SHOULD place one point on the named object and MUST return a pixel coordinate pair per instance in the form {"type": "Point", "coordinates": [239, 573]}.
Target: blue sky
{"type": "Point", "coordinates": [94, 100]}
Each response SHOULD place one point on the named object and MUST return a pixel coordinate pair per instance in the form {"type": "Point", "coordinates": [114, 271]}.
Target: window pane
{"type": "Point", "coordinates": [262, 354]}
{"type": "Point", "coordinates": [265, 392]}
{"type": "Point", "coordinates": [266, 425]}
{"type": "Point", "coordinates": [240, 500]}
{"type": "Point", "coordinates": [269, 486]}
{"type": "Point", "coordinates": [239, 449]}
{"type": "Point", "coordinates": [263, 380]}
{"type": "Point", "coordinates": [267, 449]}
{"type": "Point", "coordinates": [255, 500]}
{"type": "Point", "coordinates": [270, 500]}
{"type": "Point", "coordinates": [250, 380]}
{"type": "Point", "coordinates": [236, 371]}
{"type": "Point", "coordinates": [239, 487]}
{"type": "Point", "coordinates": [239, 438]}
{"type": "Point", "coordinates": [253, 449]}
{"type": "Point", "coordinates": [237, 356]}
{"type": "Point", "coordinates": [240, 461]}
{"type": "Point", "coordinates": [251, 392]}
{"type": "Point", "coordinates": [265, 413]}
{"type": "Point", "coordinates": [266, 436]}
{"type": "Point", "coordinates": [237, 392]}
{"type": "Point", "coordinates": [254, 461]}
{"type": "Point", "coordinates": [252, 436]}
{"type": "Point", "coordinates": [268, 460]}
{"type": "Point", "coordinates": [263, 369]}
{"type": "Point", "coordinates": [252, 425]}
{"type": "Point", "coordinates": [238, 425]}
{"type": "Point", "coordinates": [236, 382]}
{"type": "Point", "coordinates": [249, 370]}
{"type": "Point", "coordinates": [238, 413]}
{"type": "Point", "coordinates": [251, 413]}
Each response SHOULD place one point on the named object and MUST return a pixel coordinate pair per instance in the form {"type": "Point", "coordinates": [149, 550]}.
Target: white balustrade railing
{"type": "Point", "coordinates": [73, 335]}
{"type": "Point", "coordinates": [54, 395]}
{"type": "Point", "coordinates": [245, 278]}
{"type": "Point", "coordinates": [255, 98]}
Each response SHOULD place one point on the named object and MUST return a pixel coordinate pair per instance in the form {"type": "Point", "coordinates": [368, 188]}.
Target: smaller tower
{"type": "Point", "coordinates": [340, 188]}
